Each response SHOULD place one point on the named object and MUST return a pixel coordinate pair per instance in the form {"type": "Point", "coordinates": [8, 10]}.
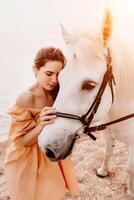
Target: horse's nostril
{"type": "Point", "coordinates": [49, 153]}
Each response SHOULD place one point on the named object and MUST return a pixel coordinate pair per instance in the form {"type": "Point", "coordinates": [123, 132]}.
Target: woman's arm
{"type": "Point", "coordinates": [47, 116]}
{"type": "Point", "coordinates": [31, 137]}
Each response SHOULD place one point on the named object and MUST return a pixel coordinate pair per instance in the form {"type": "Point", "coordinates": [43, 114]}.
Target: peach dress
{"type": "Point", "coordinates": [29, 173]}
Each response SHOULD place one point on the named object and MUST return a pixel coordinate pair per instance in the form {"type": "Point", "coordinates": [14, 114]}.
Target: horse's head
{"type": "Point", "coordinates": [79, 82]}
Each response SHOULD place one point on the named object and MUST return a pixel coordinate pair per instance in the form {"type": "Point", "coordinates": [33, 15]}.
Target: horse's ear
{"type": "Point", "coordinates": [107, 27]}
{"type": "Point", "coordinates": [68, 38]}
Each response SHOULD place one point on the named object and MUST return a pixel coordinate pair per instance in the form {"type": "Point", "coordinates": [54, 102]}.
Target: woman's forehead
{"type": "Point", "coordinates": [52, 66]}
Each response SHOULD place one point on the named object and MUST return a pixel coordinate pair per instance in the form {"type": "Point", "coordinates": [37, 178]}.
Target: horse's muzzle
{"type": "Point", "coordinates": [55, 154]}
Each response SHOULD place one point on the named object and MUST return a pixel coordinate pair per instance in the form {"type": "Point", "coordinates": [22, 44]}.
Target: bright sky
{"type": "Point", "coordinates": [27, 25]}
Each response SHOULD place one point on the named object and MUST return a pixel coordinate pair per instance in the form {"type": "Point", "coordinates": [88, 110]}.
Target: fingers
{"type": "Point", "coordinates": [47, 115]}
{"type": "Point", "coordinates": [46, 108]}
{"type": "Point", "coordinates": [44, 123]}
{"type": "Point", "coordinates": [47, 111]}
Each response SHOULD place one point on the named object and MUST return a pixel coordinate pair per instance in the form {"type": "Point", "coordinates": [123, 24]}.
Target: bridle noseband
{"type": "Point", "coordinates": [87, 118]}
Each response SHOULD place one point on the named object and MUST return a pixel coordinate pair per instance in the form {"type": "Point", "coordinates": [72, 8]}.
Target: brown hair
{"type": "Point", "coordinates": [49, 54]}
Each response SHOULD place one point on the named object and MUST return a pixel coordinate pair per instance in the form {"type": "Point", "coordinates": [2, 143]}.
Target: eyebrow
{"type": "Point", "coordinates": [52, 72]}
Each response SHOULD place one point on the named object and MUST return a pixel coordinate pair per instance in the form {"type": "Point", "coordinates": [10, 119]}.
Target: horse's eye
{"type": "Point", "coordinates": [88, 85]}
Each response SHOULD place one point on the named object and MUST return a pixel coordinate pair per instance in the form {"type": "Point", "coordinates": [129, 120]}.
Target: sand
{"type": "Point", "coordinates": [87, 156]}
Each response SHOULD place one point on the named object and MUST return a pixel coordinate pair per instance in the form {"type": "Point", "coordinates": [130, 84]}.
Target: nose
{"type": "Point", "coordinates": [51, 153]}
{"type": "Point", "coordinates": [54, 79]}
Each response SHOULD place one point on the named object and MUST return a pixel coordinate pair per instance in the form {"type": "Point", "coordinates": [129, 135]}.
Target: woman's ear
{"type": "Point", "coordinates": [35, 70]}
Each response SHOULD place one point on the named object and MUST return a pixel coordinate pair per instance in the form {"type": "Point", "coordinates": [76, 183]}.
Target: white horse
{"type": "Point", "coordinates": [80, 81]}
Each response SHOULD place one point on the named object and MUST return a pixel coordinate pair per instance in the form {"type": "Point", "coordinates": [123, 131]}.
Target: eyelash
{"type": "Point", "coordinates": [88, 86]}
{"type": "Point", "coordinates": [48, 73]}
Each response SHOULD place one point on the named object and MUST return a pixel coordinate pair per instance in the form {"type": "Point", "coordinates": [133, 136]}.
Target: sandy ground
{"type": "Point", "coordinates": [87, 156]}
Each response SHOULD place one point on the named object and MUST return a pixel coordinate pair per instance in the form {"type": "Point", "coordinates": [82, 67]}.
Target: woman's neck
{"type": "Point", "coordinates": [42, 97]}
{"type": "Point", "coordinates": [39, 90]}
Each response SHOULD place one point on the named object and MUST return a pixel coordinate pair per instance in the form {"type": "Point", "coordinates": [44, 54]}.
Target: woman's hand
{"type": "Point", "coordinates": [47, 116]}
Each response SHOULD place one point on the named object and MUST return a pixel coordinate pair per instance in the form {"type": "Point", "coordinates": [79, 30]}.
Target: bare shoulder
{"type": "Point", "coordinates": [25, 99]}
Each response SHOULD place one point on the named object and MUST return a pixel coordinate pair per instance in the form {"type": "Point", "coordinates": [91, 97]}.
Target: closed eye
{"type": "Point", "coordinates": [88, 85]}
{"type": "Point", "coordinates": [48, 73]}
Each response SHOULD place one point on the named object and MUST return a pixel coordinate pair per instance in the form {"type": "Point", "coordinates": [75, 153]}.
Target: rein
{"type": "Point", "coordinates": [87, 118]}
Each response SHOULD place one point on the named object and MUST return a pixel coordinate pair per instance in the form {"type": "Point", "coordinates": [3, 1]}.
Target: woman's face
{"type": "Point", "coordinates": [47, 75]}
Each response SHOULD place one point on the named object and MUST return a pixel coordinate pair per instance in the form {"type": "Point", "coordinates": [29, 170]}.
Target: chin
{"type": "Point", "coordinates": [50, 88]}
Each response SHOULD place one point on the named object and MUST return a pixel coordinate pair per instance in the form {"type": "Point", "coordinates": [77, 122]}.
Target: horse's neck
{"type": "Point", "coordinates": [123, 70]}
{"type": "Point", "coordinates": [123, 99]}
{"type": "Point", "coordinates": [123, 66]}
{"type": "Point", "coordinates": [124, 78]}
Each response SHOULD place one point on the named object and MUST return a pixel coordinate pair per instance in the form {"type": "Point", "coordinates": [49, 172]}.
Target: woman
{"type": "Point", "coordinates": [30, 175]}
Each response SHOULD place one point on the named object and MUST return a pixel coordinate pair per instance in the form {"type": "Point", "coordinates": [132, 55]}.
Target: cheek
{"type": "Point", "coordinates": [42, 78]}
{"type": "Point", "coordinates": [105, 105]}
